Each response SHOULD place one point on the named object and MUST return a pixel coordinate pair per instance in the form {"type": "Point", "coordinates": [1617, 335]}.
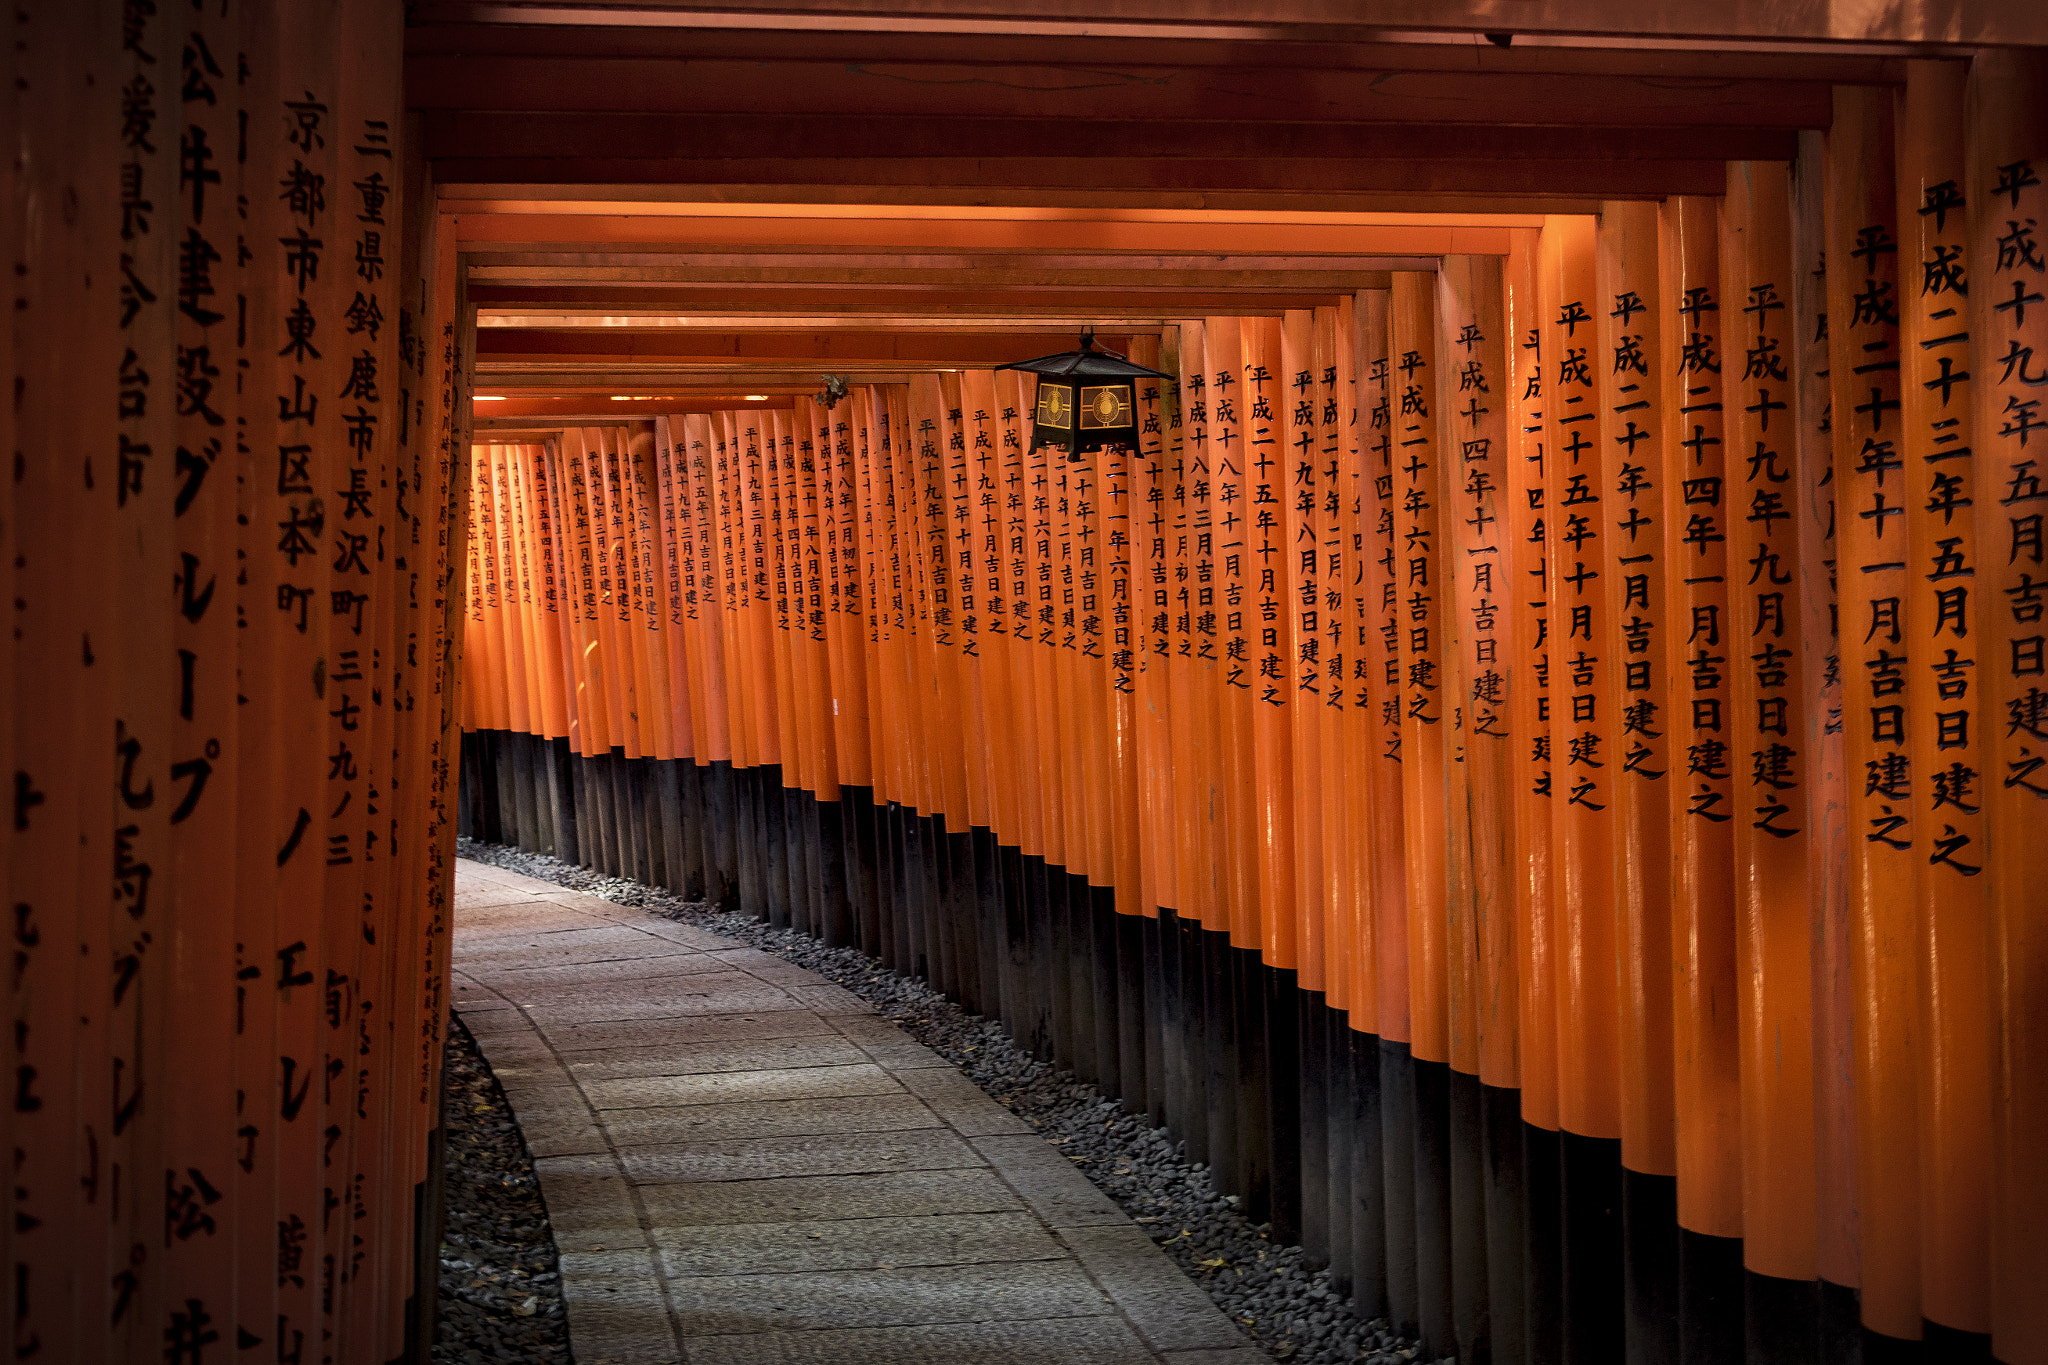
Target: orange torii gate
{"type": "Point", "coordinates": [1406, 773]}
{"type": "Point", "coordinates": [1534, 767]}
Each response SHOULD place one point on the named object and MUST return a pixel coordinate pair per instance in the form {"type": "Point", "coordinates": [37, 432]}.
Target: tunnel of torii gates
{"type": "Point", "coordinates": [1535, 767]}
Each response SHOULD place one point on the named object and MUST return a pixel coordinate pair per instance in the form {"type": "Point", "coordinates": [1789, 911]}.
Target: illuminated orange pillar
{"type": "Point", "coordinates": [1420, 592]}
{"type": "Point", "coordinates": [2006, 171]}
{"type": "Point", "coordinates": [1472, 387]}
{"type": "Point", "coordinates": [1694, 314]}
{"type": "Point", "coordinates": [1271, 569]}
{"type": "Point", "coordinates": [1386, 781]}
{"type": "Point", "coordinates": [1584, 724]}
{"type": "Point", "coordinates": [1946, 733]}
{"type": "Point", "coordinates": [1634, 463]}
{"type": "Point", "coordinates": [1530, 683]}
{"type": "Point", "coordinates": [1879, 651]}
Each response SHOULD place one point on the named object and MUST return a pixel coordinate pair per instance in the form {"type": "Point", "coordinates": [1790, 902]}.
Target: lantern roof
{"type": "Point", "coordinates": [1085, 364]}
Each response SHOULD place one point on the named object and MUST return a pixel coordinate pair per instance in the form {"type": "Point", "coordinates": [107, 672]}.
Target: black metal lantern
{"type": "Point", "coordinates": [1087, 399]}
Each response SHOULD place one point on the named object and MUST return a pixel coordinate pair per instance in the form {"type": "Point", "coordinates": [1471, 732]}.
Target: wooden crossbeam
{"type": "Point", "coordinates": [1499, 180]}
{"type": "Point", "coordinates": [1313, 87]}
{"type": "Point", "coordinates": [852, 133]}
{"type": "Point", "coordinates": [1222, 21]}
{"type": "Point", "coordinates": [1463, 200]}
{"type": "Point", "coordinates": [828, 348]}
{"type": "Point", "coordinates": [957, 302]}
{"type": "Point", "coordinates": [997, 55]}
{"type": "Point", "coordinates": [1094, 235]}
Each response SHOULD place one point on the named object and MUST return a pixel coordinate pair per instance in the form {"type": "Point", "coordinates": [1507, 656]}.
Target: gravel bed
{"type": "Point", "coordinates": [501, 1291]}
{"type": "Point", "coordinates": [1285, 1308]}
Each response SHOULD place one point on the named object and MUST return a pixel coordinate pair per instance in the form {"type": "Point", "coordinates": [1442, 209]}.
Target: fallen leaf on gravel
{"type": "Point", "coordinates": [526, 1310]}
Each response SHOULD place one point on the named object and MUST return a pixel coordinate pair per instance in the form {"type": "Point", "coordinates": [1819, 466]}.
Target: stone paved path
{"type": "Point", "coordinates": [744, 1164]}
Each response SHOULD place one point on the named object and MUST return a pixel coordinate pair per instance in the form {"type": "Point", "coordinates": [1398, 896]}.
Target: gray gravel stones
{"type": "Point", "coordinates": [501, 1293]}
{"type": "Point", "coordinates": [1264, 1288]}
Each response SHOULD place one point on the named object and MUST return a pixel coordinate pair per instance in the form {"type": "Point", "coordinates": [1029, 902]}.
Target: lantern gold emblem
{"type": "Point", "coordinates": [1105, 407]}
{"type": "Point", "coordinates": [1087, 399]}
{"type": "Point", "coordinates": [1056, 406]}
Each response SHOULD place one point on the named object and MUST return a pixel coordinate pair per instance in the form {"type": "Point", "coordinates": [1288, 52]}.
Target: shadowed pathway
{"type": "Point", "coordinates": [744, 1164]}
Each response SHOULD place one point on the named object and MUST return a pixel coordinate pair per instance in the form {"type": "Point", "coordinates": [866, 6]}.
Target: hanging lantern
{"type": "Point", "coordinates": [1087, 399]}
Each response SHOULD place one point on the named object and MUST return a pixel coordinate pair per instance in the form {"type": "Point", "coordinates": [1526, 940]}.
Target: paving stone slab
{"type": "Point", "coordinates": [695, 988]}
{"type": "Point", "coordinates": [830, 999]}
{"type": "Point", "coordinates": [747, 959]}
{"type": "Point", "coordinates": [529, 944]}
{"type": "Point", "coordinates": [1063, 1341]}
{"type": "Point", "coordinates": [687, 934]}
{"type": "Point", "coordinates": [561, 1101]}
{"type": "Point", "coordinates": [513, 976]}
{"type": "Point", "coordinates": [1048, 1181]}
{"type": "Point", "coordinates": [626, 1328]}
{"type": "Point", "coordinates": [583, 900]}
{"type": "Point", "coordinates": [562, 1135]}
{"type": "Point", "coordinates": [601, 1268]}
{"type": "Point", "coordinates": [471, 998]}
{"type": "Point", "coordinates": [890, 1047]}
{"type": "Point", "coordinates": [536, 918]}
{"type": "Point", "coordinates": [489, 1016]}
{"type": "Point", "coordinates": [766, 1118]}
{"type": "Point", "coordinates": [896, 1195]}
{"type": "Point", "coordinates": [964, 1106]}
{"type": "Point", "coordinates": [607, 1035]}
{"type": "Point", "coordinates": [921, 1149]}
{"type": "Point", "coordinates": [581, 1200]}
{"type": "Point", "coordinates": [668, 1059]}
{"type": "Point", "coordinates": [485, 897]}
{"type": "Point", "coordinates": [857, 1244]}
{"type": "Point", "coordinates": [718, 1305]}
{"type": "Point", "coordinates": [789, 1083]}
{"type": "Point", "coordinates": [1170, 1313]}
{"type": "Point", "coordinates": [626, 1009]}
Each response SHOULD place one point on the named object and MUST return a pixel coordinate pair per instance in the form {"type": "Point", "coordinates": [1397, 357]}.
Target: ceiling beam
{"type": "Point", "coordinates": [640, 346]}
{"type": "Point", "coordinates": [1256, 90]}
{"type": "Point", "coordinates": [693, 380]}
{"type": "Point", "coordinates": [994, 55]}
{"type": "Point", "coordinates": [720, 298]}
{"type": "Point", "coordinates": [1463, 201]}
{"type": "Point", "coordinates": [911, 280]}
{"type": "Point", "coordinates": [1010, 235]}
{"type": "Point", "coordinates": [501, 134]}
{"type": "Point", "coordinates": [1253, 182]}
{"type": "Point", "coordinates": [1768, 21]}
{"type": "Point", "coordinates": [662, 321]}
{"type": "Point", "coordinates": [583, 407]}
